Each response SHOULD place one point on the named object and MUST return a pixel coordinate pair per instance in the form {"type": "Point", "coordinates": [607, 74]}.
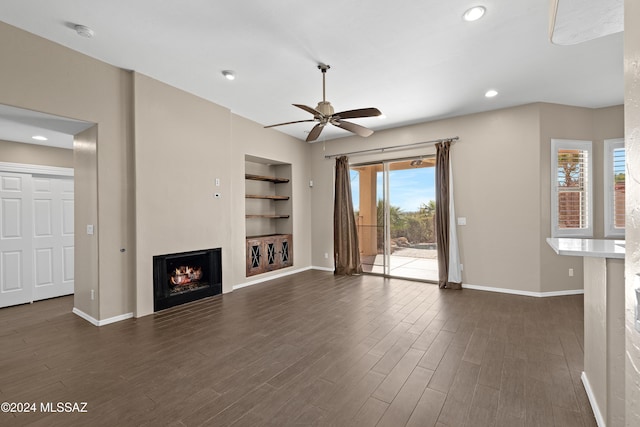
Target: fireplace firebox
{"type": "Point", "coordinates": [187, 276]}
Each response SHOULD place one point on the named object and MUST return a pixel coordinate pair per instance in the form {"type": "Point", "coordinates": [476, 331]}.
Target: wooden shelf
{"type": "Point", "coordinates": [266, 196]}
{"type": "Point", "coordinates": [261, 236]}
{"type": "Point", "coordinates": [273, 179]}
{"type": "Point", "coordinates": [267, 216]}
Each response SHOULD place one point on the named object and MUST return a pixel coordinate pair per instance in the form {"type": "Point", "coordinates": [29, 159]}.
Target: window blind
{"type": "Point", "coordinates": [571, 188]}
{"type": "Point", "coordinates": [618, 188]}
{"type": "Point", "coordinates": [572, 183]}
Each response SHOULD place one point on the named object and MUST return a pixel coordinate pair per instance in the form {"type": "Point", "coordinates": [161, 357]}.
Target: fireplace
{"type": "Point", "coordinates": [187, 276]}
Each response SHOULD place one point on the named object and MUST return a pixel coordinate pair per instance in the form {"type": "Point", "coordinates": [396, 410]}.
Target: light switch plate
{"type": "Point", "coordinates": [462, 220]}
{"type": "Point", "coordinates": [89, 229]}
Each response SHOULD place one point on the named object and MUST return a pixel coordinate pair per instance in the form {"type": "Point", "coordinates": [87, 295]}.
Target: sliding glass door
{"type": "Point", "coordinates": [395, 206]}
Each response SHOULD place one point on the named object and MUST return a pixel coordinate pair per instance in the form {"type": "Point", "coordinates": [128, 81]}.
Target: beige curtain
{"type": "Point", "coordinates": [345, 233]}
{"type": "Point", "coordinates": [442, 217]}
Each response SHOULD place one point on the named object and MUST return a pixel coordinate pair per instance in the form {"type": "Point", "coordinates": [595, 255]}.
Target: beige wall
{"type": "Point", "coordinates": [17, 152]}
{"type": "Point", "coordinates": [250, 138]}
{"type": "Point", "coordinates": [632, 261]}
{"type": "Point", "coordinates": [565, 122]}
{"type": "Point", "coordinates": [86, 246]}
{"type": "Point", "coordinates": [43, 76]}
{"type": "Point", "coordinates": [183, 143]}
{"type": "Point", "coordinates": [503, 244]}
{"type": "Point", "coordinates": [486, 242]}
{"type": "Point", "coordinates": [172, 129]}
{"type": "Point", "coordinates": [182, 146]}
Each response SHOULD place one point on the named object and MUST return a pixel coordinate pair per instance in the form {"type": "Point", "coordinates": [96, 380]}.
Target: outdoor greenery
{"type": "Point", "coordinates": [416, 227]}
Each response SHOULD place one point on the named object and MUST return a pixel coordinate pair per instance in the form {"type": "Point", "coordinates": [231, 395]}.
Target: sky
{"type": "Point", "coordinates": [408, 188]}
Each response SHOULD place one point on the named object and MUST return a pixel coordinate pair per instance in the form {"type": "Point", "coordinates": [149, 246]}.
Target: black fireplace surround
{"type": "Point", "coordinates": [187, 276]}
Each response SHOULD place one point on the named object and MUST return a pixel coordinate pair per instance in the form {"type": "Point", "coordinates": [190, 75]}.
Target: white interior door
{"type": "Point", "coordinates": [52, 201]}
{"type": "Point", "coordinates": [16, 279]}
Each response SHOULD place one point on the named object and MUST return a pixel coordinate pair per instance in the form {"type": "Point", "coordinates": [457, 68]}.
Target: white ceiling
{"type": "Point", "coordinates": [415, 60]}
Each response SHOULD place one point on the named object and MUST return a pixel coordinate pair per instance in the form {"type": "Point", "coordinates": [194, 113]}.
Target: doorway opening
{"type": "Point", "coordinates": [37, 205]}
{"type": "Point", "coordinates": [394, 204]}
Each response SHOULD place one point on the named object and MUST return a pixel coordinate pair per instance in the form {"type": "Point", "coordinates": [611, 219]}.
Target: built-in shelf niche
{"type": "Point", "coordinates": [268, 204]}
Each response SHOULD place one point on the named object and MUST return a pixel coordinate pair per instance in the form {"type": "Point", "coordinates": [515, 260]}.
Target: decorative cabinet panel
{"type": "Point", "coordinates": [268, 253]}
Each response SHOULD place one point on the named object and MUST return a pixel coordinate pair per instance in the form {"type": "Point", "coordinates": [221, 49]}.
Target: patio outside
{"type": "Point", "coordinates": [410, 263]}
{"type": "Point", "coordinates": [411, 246]}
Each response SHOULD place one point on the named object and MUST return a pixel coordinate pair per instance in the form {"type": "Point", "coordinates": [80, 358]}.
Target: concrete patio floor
{"type": "Point", "coordinates": [420, 264]}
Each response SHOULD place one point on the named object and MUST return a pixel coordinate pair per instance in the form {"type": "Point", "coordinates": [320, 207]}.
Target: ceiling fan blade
{"type": "Point", "coordinates": [352, 127]}
{"type": "Point", "coordinates": [361, 112]}
{"type": "Point", "coordinates": [313, 111]}
{"type": "Point", "coordinates": [315, 132]}
{"type": "Point", "coordinates": [290, 123]}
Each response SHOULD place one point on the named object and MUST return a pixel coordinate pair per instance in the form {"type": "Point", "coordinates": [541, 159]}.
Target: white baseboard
{"type": "Point", "coordinates": [592, 400]}
{"type": "Point", "coordinates": [270, 277]}
{"type": "Point", "coordinates": [103, 322]}
{"type": "Point", "coordinates": [524, 293]}
{"type": "Point", "coordinates": [464, 285]}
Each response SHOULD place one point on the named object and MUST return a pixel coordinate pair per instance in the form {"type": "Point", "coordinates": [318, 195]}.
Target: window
{"type": "Point", "coordinates": [614, 176]}
{"type": "Point", "coordinates": [571, 188]}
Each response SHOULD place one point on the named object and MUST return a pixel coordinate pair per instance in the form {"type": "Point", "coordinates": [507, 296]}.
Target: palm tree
{"type": "Point", "coordinates": [397, 219]}
{"type": "Point", "coordinates": [428, 209]}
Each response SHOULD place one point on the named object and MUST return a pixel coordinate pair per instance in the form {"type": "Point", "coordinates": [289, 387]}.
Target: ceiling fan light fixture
{"type": "Point", "coordinates": [229, 75]}
{"type": "Point", "coordinates": [325, 108]}
{"type": "Point", "coordinates": [474, 13]}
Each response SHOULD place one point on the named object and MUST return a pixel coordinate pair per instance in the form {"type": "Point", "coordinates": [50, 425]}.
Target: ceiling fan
{"type": "Point", "coordinates": [323, 114]}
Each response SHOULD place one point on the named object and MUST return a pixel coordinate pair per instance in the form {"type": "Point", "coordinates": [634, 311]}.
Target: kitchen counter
{"type": "Point", "coordinates": [603, 248]}
{"type": "Point", "coordinates": [604, 339]}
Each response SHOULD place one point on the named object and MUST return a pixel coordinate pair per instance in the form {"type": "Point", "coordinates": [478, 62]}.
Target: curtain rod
{"type": "Point", "coordinates": [392, 148]}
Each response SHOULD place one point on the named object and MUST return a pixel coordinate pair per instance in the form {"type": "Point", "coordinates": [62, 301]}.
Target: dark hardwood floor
{"type": "Point", "coordinates": [308, 349]}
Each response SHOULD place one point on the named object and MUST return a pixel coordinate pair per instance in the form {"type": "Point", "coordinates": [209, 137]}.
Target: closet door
{"type": "Point", "coordinates": [16, 279]}
{"type": "Point", "coordinates": [52, 201]}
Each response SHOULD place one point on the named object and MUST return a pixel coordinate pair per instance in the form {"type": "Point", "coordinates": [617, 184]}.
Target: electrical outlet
{"type": "Point", "coordinates": [326, 255]}
{"type": "Point", "coordinates": [571, 272]}
{"type": "Point", "coordinates": [217, 182]}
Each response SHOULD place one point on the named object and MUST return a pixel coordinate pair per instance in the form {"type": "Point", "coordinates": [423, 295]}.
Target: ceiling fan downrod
{"type": "Point", "coordinates": [323, 68]}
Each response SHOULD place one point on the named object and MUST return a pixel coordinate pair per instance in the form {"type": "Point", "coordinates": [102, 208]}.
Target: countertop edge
{"type": "Point", "coordinates": [600, 248]}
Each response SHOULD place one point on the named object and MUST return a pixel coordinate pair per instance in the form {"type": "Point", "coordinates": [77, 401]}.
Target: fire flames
{"type": "Point", "coordinates": [185, 274]}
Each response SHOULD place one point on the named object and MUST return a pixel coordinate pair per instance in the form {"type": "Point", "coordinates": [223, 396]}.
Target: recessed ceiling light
{"type": "Point", "coordinates": [229, 75]}
{"type": "Point", "coordinates": [474, 13]}
{"type": "Point", "coordinates": [39, 138]}
{"type": "Point", "coordinates": [491, 93]}
{"type": "Point", "coordinates": [84, 31]}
